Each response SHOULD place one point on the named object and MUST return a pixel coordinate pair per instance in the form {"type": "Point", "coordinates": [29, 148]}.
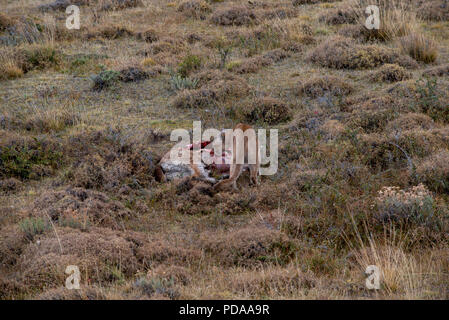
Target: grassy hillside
{"type": "Point", "coordinates": [363, 120]}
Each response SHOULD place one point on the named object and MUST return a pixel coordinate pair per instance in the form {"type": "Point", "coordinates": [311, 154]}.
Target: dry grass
{"type": "Point", "coordinates": [397, 18]}
{"type": "Point", "coordinates": [419, 47]}
{"type": "Point", "coordinates": [356, 113]}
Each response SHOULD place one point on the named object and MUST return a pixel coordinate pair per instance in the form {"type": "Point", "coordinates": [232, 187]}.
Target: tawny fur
{"type": "Point", "coordinates": [236, 169]}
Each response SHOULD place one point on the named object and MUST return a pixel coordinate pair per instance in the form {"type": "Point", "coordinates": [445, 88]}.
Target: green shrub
{"type": "Point", "coordinates": [105, 79]}
{"type": "Point", "coordinates": [28, 161]}
{"type": "Point", "coordinates": [189, 64]}
{"type": "Point", "coordinates": [34, 226]}
{"type": "Point", "coordinates": [39, 57]}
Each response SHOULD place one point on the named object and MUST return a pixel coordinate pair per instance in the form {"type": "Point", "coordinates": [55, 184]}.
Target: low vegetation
{"type": "Point", "coordinates": [363, 149]}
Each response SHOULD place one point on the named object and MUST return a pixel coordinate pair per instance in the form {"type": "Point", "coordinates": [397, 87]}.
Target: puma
{"type": "Point", "coordinates": [250, 150]}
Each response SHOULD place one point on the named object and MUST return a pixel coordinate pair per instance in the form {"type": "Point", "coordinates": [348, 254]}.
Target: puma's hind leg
{"type": "Point", "coordinates": [254, 174]}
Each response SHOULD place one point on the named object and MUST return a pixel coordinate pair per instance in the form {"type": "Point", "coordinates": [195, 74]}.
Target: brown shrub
{"type": "Point", "coordinates": [200, 98]}
{"type": "Point", "coordinates": [120, 4]}
{"type": "Point", "coordinates": [433, 10]}
{"type": "Point", "coordinates": [248, 246]}
{"type": "Point", "coordinates": [380, 152]}
{"type": "Point", "coordinates": [252, 65]}
{"type": "Point", "coordinates": [279, 13]}
{"type": "Point", "coordinates": [333, 129]}
{"type": "Point", "coordinates": [111, 32]}
{"type": "Point", "coordinates": [12, 241]}
{"type": "Point", "coordinates": [197, 9]}
{"type": "Point", "coordinates": [177, 274]}
{"type": "Point", "coordinates": [11, 289]}
{"type": "Point", "coordinates": [272, 282]}
{"type": "Point", "coordinates": [234, 16]}
{"type": "Point", "coordinates": [5, 21]}
{"type": "Point", "coordinates": [215, 88]}
{"type": "Point", "coordinates": [62, 4]}
{"type": "Point", "coordinates": [166, 45]}
{"type": "Point", "coordinates": [102, 255]}
{"type": "Point", "coordinates": [160, 251]}
{"type": "Point", "coordinates": [410, 121]}
{"type": "Point", "coordinates": [133, 74]}
{"type": "Point", "coordinates": [268, 110]}
{"type": "Point", "coordinates": [61, 293]}
{"type": "Point", "coordinates": [9, 185]}
{"type": "Point", "coordinates": [434, 171]}
{"type": "Point", "coordinates": [196, 197]}
{"type": "Point", "coordinates": [108, 159]}
{"type": "Point", "coordinates": [354, 31]}
{"type": "Point", "coordinates": [419, 47]}
{"type": "Point", "coordinates": [149, 36]}
{"type": "Point", "coordinates": [105, 5]}
{"type": "Point", "coordinates": [9, 69]}
{"type": "Point", "coordinates": [339, 16]}
{"type": "Point", "coordinates": [25, 157]}
{"type": "Point", "coordinates": [80, 208]}
{"type": "Point", "coordinates": [439, 71]}
{"type": "Point", "coordinates": [320, 86]}
{"type": "Point", "coordinates": [343, 53]}
{"type": "Point", "coordinates": [38, 57]}
{"type": "Point", "coordinates": [301, 2]}
{"type": "Point", "coordinates": [390, 73]}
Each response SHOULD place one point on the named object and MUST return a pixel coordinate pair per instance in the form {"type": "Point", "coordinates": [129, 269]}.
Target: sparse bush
{"type": "Point", "coordinates": [5, 21]}
{"type": "Point", "coordinates": [301, 2]}
{"type": "Point", "coordinates": [416, 204]}
{"type": "Point", "coordinates": [156, 285]}
{"type": "Point", "coordinates": [390, 73]}
{"type": "Point", "coordinates": [103, 5]}
{"type": "Point", "coordinates": [9, 68]}
{"type": "Point", "coordinates": [133, 74]}
{"type": "Point", "coordinates": [252, 65]}
{"type": "Point", "coordinates": [268, 110]}
{"type": "Point", "coordinates": [32, 227]}
{"type": "Point", "coordinates": [319, 86]}
{"type": "Point", "coordinates": [149, 36]}
{"type": "Point", "coordinates": [429, 99]}
{"type": "Point", "coordinates": [111, 32]}
{"type": "Point", "coordinates": [433, 10]}
{"type": "Point", "coordinates": [419, 47]}
{"type": "Point", "coordinates": [343, 53]}
{"type": "Point", "coordinates": [213, 90]}
{"type": "Point", "coordinates": [189, 64]}
{"type": "Point", "coordinates": [105, 79]}
{"type": "Point", "coordinates": [248, 246]}
{"type": "Point", "coordinates": [26, 158]}
{"type": "Point", "coordinates": [197, 9]}
{"type": "Point", "coordinates": [39, 57]}
{"type": "Point", "coordinates": [437, 71]}
{"type": "Point", "coordinates": [9, 185]}
{"type": "Point", "coordinates": [234, 16]}
{"type": "Point", "coordinates": [410, 121]}
{"type": "Point", "coordinates": [398, 18]}
{"type": "Point", "coordinates": [80, 209]}
{"type": "Point", "coordinates": [96, 253]}
{"type": "Point", "coordinates": [182, 83]}
{"type": "Point", "coordinates": [434, 171]}
{"type": "Point", "coordinates": [161, 251]}
{"type": "Point", "coordinates": [339, 16]}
